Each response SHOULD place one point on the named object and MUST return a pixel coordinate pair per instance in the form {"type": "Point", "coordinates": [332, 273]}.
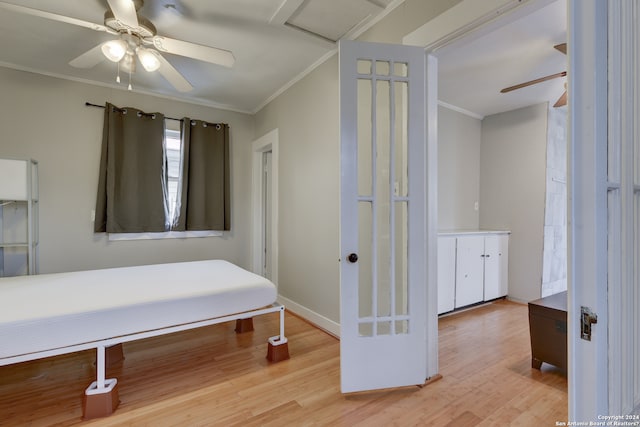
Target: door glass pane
{"type": "Point", "coordinates": [384, 328]}
{"type": "Point", "coordinates": [365, 329]}
{"type": "Point", "coordinates": [363, 67]}
{"type": "Point", "coordinates": [383, 197]}
{"type": "Point", "coordinates": [402, 327]}
{"type": "Point", "coordinates": [401, 146]}
{"type": "Point", "coordinates": [636, 224]}
{"type": "Point", "coordinates": [382, 68]}
{"type": "Point", "coordinates": [636, 161]}
{"type": "Point", "coordinates": [365, 267]}
{"type": "Point", "coordinates": [400, 69]}
{"type": "Point", "coordinates": [614, 222]}
{"type": "Point", "coordinates": [365, 151]}
{"type": "Point", "coordinates": [402, 259]}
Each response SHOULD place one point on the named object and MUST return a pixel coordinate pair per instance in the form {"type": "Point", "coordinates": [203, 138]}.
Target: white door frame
{"type": "Point", "coordinates": [266, 143]}
{"type": "Point", "coordinates": [480, 17]}
{"type": "Point", "coordinates": [591, 381]}
{"type": "Point", "coordinates": [587, 210]}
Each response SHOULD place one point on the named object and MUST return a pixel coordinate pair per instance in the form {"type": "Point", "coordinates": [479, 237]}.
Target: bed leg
{"type": "Point", "coordinates": [112, 355]}
{"type": "Point", "coordinates": [101, 397]}
{"type": "Point", "coordinates": [244, 325]}
{"type": "Point", "coordinates": [278, 347]}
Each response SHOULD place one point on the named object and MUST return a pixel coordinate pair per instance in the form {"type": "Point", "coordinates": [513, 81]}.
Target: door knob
{"type": "Point", "coordinates": [352, 258]}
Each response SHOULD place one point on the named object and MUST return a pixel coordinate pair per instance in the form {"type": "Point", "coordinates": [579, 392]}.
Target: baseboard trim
{"type": "Point", "coordinates": [311, 316]}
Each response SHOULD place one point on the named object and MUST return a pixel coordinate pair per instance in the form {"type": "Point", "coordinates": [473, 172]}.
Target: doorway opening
{"type": "Point", "coordinates": [502, 156]}
{"type": "Point", "coordinates": [476, 168]}
{"type": "Point", "coordinates": [265, 206]}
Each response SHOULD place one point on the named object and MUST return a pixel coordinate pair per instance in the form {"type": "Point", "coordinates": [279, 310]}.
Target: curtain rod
{"type": "Point", "coordinates": [88, 104]}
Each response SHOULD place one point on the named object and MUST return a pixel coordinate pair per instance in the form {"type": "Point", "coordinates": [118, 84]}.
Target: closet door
{"type": "Point", "coordinates": [469, 270]}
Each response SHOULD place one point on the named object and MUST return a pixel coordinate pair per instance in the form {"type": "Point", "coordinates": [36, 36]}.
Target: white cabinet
{"type": "Point", "coordinates": [18, 217]}
{"type": "Point", "coordinates": [446, 273]}
{"type": "Point", "coordinates": [472, 267]}
{"type": "Point", "coordinates": [469, 270]}
{"type": "Point", "coordinates": [496, 266]}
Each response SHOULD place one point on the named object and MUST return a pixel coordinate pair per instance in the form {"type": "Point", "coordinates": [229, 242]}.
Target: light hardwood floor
{"type": "Point", "coordinates": [212, 376]}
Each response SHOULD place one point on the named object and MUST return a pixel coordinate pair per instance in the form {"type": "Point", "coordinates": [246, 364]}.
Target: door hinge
{"type": "Point", "coordinates": [587, 318]}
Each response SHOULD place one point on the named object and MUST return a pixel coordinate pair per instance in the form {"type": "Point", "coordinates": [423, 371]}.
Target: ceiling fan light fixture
{"type": "Point", "coordinates": [114, 50]}
{"type": "Point", "coordinates": [148, 59]}
{"type": "Point", "coordinates": [128, 63]}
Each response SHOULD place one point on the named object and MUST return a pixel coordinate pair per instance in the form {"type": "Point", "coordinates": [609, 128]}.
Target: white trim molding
{"type": "Point", "coordinates": [266, 143]}
{"type": "Point", "coordinates": [460, 110]}
{"type": "Point", "coordinates": [324, 323]}
{"type": "Point", "coordinates": [469, 15]}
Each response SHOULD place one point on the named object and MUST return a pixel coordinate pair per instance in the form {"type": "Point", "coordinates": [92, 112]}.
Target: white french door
{"type": "Point", "coordinates": [382, 216]}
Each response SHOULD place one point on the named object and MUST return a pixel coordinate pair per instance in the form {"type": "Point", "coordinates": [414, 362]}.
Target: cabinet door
{"type": "Point", "coordinates": [469, 270]}
{"type": "Point", "coordinates": [446, 273]}
{"type": "Point", "coordinates": [496, 261]}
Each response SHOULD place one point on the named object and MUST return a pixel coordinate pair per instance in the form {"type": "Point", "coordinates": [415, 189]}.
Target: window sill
{"type": "Point", "coordinates": [164, 235]}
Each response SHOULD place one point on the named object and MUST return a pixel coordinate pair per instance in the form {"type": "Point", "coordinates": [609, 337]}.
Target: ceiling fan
{"type": "Point", "coordinates": [136, 38]}
{"type": "Point", "coordinates": [562, 47]}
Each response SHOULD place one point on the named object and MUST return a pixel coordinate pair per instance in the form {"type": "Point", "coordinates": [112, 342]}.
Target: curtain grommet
{"type": "Point", "coordinates": [139, 114]}
{"type": "Point", "coordinates": [218, 127]}
{"type": "Point", "coordinates": [204, 124]}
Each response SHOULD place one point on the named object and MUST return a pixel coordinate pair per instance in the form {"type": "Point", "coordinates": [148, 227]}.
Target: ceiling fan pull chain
{"type": "Point", "coordinates": [129, 87]}
{"type": "Point", "coordinates": [118, 75]}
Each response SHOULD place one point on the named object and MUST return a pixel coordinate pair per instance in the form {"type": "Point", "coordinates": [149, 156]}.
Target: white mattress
{"type": "Point", "coordinates": [49, 311]}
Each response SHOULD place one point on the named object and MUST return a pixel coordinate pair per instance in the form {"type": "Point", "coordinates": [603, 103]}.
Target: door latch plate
{"type": "Point", "coordinates": [587, 318]}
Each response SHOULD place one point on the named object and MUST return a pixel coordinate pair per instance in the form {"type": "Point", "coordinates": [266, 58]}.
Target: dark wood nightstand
{"type": "Point", "coordinates": [548, 329]}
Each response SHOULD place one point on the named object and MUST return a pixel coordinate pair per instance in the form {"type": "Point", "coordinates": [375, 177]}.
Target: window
{"type": "Point", "coordinates": [158, 174]}
{"type": "Point", "coordinates": [173, 153]}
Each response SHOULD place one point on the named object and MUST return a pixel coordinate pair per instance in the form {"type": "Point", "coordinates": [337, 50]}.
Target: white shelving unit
{"type": "Point", "coordinates": [18, 217]}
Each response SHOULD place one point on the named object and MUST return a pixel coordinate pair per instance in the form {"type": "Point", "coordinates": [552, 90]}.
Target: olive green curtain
{"type": "Point", "coordinates": [205, 190]}
{"type": "Point", "coordinates": [132, 181]}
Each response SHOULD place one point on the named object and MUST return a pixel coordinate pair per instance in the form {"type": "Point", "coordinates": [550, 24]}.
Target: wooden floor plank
{"type": "Point", "coordinates": [212, 376]}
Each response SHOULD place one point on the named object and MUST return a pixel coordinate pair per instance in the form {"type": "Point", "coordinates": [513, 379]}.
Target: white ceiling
{"type": "Point", "coordinates": [472, 71]}
{"type": "Point", "coordinates": [274, 41]}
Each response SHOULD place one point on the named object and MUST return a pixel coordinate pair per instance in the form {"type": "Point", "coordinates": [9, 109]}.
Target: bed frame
{"type": "Point", "coordinates": [101, 397]}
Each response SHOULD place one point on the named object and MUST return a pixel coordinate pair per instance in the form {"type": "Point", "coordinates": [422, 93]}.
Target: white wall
{"type": "Point", "coordinates": [459, 139]}
{"type": "Point", "coordinates": [45, 118]}
{"type": "Point", "coordinates": [512, 191]}
{"type": "Point", "coordinates": [306, 117]}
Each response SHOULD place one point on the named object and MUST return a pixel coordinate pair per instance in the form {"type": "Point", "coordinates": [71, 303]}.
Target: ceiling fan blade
{"type": "Point", "coordinates": [53, 16]}
{"type": "Point", "coordinates": [562, 100]}
{"type": "Point", "coordinates": [89, 59]}
{"type": "Point", "coordinates": [562, 47]}
{"type": "Point", "coordinates": [124, 11]}
{"type": "Point", "coordinates": [193, 50]}
{"type": "Point", "coordinates": [172, 75]}
{"type": "Point", "coordinates": [532, 82]}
